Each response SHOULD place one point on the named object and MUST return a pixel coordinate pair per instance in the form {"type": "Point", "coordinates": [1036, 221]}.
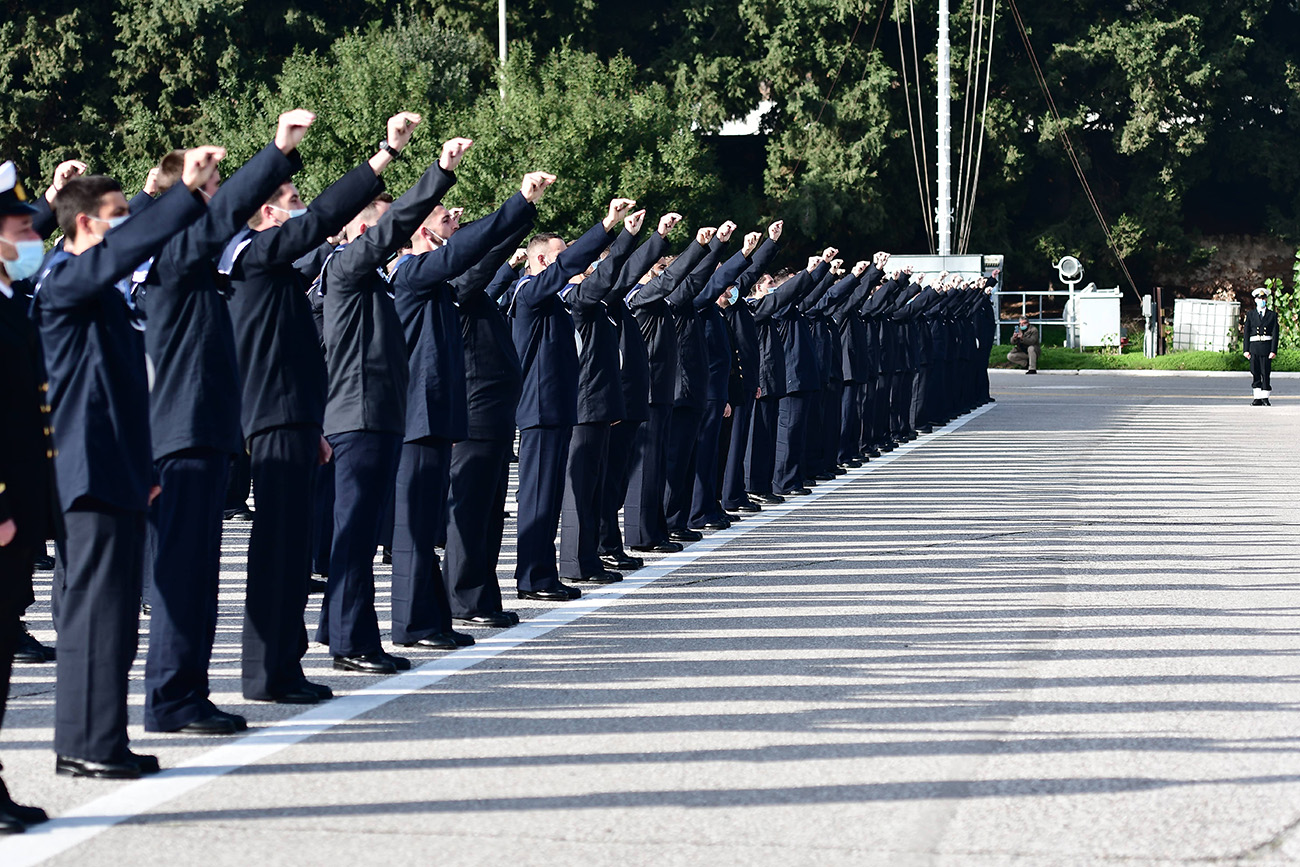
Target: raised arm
{"type": "Point", "coordinates": [672, 277]}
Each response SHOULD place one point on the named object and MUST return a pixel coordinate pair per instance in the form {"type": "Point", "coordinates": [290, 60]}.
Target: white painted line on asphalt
{"type": "Point", "coordinates": [90, 819]}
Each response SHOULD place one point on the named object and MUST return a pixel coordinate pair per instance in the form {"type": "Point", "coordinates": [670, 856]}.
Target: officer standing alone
{"type": "Point", "coordinates": [1261, 339]}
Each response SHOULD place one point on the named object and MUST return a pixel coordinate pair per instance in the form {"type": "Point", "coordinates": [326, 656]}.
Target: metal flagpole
{"type": "Point", "coordinates": [501, 42]}
{"type": "Point", "coordinates": [943, 216]}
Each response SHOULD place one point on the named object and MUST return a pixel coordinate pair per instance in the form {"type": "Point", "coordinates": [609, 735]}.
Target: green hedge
{"type": "Point", "coordinates": [1060, 358]}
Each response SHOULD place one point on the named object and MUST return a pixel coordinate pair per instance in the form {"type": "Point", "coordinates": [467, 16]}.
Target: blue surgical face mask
{"type": "Point", "coordinates": [114, 222]}
{"type": "Point", "coordinates": [295, 212]}
{"type": "Point", "coordinates": [30, 256]}
{"type": "Point", "coordinates": [733, 295]}
{"type": "Point", "coordinates": [1261, 303]}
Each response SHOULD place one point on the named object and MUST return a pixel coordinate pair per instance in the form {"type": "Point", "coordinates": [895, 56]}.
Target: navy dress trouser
{"type": "Point", "coordinates": [832, 397]}
{"type": "Point", "coordinates": [543, 452]}
{"type": "Point", "coordinates": [618, 469]}
{"type": "Point", "coordinates": [420, 604]}
{"type": "Point", "coordinates": [760, 459]}
{"type": "Point", "coordinates": [186, 519]}
{"type": "Point", "coordinates": [683, 434]}
{"type": "Point", "coordinates": [583, 488]}
{"type": "Point", "coordinates": [791, 430]}
{"type": "Point", "coordinates": [476, 506]}
{"type": "Point", "coordinates": [284, 462]}
{"type": "Point", "coordinates": [850, 422]}
{"type": "Point", "coordinates": [322, 529]}
{"type": "Point", "coordinates": [365, 472]}
{"type": "Point", "coordinates": [644, 523]}
{"type": "Point", "coordinates": [705, 506]}
{"type": "Point", "coordinates": [733, 476]}
{"type": "Point", "coordinates": [99, 629]}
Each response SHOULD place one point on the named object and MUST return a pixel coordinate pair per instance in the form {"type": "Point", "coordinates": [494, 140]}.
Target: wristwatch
{"type": "Point", "coordinates": [392, 151]}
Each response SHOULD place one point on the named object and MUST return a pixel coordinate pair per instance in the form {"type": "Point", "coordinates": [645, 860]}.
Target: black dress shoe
{"type": "Point", "coordinates": [401, 663]}
{"type": "Point", "coordinates": [659, 547]}
{"type": "Point", "coordinates": [873, 452]}
{"type": "Point", "coordinates": [925, 429]}
{"type": "Point", "coordinates": [43, 563]}
{"type": "Point", "coordinates": [684, 536]}
{"type": "Point", "coordinates": [315, 585]}
{"type": "Point", "coordinates": [712, 525]}
{"type": "Point", "coordinates": [1257, 402]}
{"type": "Point", "coordinates": [768, 499]}
{"type": "Point", "coordinates": [11, 811]}
{"type": "Point", "coordinates": [216, 723]}
{"type": "Point", "coordinates": [370, 663]}
{"type": "Point", "coordinates": [303, 692]}
{"type": "Point", "coordinates": [241, 514]}
{"type": "Point", "coordinates": [604, 576]}
{"type": "Point", "coordinates": [449, 640]}
{"type": "Point", "coordinates": [146, 609]}
{"type": "Point", "coordinates": [825, 477]}
{"type": "Point", "coordinates": [810, 483]}
{"type": "Point", "coordinates": [563, 593]}
{"type": "Point", "coordinates": [1266, 403]}
{"type": "Point", "coordinates": [796, 492]}
{"type": "Point", "coordinates": [386, 557]}
{"type": "Point", "coordinates": [749, 506]}
{"type": "Point", "coordinates": [840, 470]}
{"type": "Point", "coordinates": [29, 650]}
{"type": "Point", "coordinates": [69, 766]}
{"type": "Point", "coordinates": [621, 561]}
{"type": "Point", "coordinates": [500, 620]}
{"type": "Point", "coordinates": [9, 823]}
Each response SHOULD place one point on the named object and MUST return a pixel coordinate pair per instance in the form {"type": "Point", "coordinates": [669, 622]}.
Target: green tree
{"type": "Point", "coordinates": [592, 125]}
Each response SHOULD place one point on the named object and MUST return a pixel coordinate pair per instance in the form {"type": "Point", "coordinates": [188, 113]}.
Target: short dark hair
{"type": "Point", "coordinates": [274, 201]}
{"type": "Point", "coordinates": [170, 169]}
{"type": "Point", "coordinates": [82, 196]}
{"type": "Point", "coordinates": [370, 212]}
{"type": "Point", "coordinates": [540, 240]}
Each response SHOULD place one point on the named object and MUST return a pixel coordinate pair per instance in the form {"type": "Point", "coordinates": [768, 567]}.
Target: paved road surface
{"type": "Point", "coordinates": [1063, 632]}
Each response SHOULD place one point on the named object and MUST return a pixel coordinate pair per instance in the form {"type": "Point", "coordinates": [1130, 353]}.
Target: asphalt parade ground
{"type": "Point", "coordinates": [1062, 630]}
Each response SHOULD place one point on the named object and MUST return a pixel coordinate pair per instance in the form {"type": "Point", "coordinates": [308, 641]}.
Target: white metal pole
{"type": "Point", "coordinates": [501, 42]}
{"type": "Point", "coordinates": [944, 213]}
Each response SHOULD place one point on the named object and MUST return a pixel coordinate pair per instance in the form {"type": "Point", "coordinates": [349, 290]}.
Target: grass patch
{"type": "Point", "coordinates": [1060, 358]}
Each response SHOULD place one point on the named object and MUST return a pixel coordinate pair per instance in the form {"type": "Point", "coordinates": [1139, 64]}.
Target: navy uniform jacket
{"type": "Point", "coordinates": [99, 392]}
{"type": "Point", "coordinates": [365, 347]}
{"type": "Point", "coordinates": [26, 442]}
{"type": "Point", "coordinates": [771, 351]}
{"type": "Point", "coordinates": [493, 375]}
{"type": "Point", "coordinates": [654, 318]}
{"type": "Point", "coordinates": [986, 320]}
{"type": "Point", "coordinates": [600, 382]}
{"type": "Point", "coordinates": [802, 370]}
{"type": "Point", "coordinates": [717, 334]}
{"type": "Point", "coordinates": [740, 319]}
{"type": "Point", "coordinates": [310, 267]}
{"type": "Point", "coordinates": [855, 360]}
{"type": "Point", "coordinates": [692, 349]}
{"type": "Point", "coordinates": [437, 401]}
{"type": "Point", "coordinates": [1261, 333]}
{"type": "Point", "coordinates": [275, 338]}
{"type": "Point", "coordinates": [189, 338]}
{"type": "Point", "coordinates": [635, 357]}
{"type": "Point", "coordinates": [835, 298]}
{"type": "Point", "coordinates": [545, 338]}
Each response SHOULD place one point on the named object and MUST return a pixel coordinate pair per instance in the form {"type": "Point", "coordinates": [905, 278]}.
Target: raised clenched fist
{"type": "Point", "coordinates": [452, 152]}
{"type": "Point", "coordinates": [535, 185]}
{"type": "Point", "coordinates": [291, 127]}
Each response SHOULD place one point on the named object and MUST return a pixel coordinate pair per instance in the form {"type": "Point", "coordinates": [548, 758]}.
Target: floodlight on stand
{"type": "Point", "coordinates": [1070, 270]}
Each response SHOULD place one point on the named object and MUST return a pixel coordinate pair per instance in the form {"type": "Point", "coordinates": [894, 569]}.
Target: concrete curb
{"type": "Point", "coordinates": [1237, 374]}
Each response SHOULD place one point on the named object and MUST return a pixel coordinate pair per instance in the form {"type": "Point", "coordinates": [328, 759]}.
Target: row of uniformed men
{"type": "Point", "coordinates": [236, 364]}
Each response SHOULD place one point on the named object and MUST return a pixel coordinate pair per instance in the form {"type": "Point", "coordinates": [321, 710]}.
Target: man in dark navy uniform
{"type": "Point", "coordinates": [365, 415]}
{"type": "Point", "coordinates": [194, 410]}
{"type": "Point", "coordinates": [706, 506]}
{"type": "Point", "coordinates": [548, 408]}
{"type": "Point", "coordinates": [480, 463]}
{"type": "Point", "coordinates": [803, 381]}
{"type": "Point", "coordinates": [437, 406]}
{"type": "Point", "coordinates": [635, 377]}
{"type": "Point", "coordinates": [600, 407]}
{"type": "Point", "coordinates": [282, 412]}
{"type": "Point", "coordinates": [1261, 336]}
{"type": "Point", "coordinates": [644, 519]}
{"type": "Point", "coordinates": [94, 353]}
{"type": "Point", "coordinates": [27, 506]}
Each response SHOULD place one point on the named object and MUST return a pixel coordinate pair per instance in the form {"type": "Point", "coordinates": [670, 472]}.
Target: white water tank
{"type": "Point", "coordinates": [1207, 325]}
{"type": "Point", "coordinates": [1092, 317]}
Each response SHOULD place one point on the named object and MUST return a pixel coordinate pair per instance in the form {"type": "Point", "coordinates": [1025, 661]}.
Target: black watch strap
{"type": "Point", "coordinates": [392, 151]}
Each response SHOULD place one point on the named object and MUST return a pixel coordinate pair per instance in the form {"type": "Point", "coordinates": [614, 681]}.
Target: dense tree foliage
{"type": "Point", "coordinates": [1183, 112]}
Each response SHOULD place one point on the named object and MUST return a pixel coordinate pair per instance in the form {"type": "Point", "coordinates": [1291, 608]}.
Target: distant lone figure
{"type": "Point", "coordinates": [1025, 340]}
{"type": "Point", "coordinates": [1260, 344]}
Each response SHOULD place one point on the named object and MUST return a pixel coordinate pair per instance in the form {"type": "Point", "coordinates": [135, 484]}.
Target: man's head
{"type": "Point", "coordinates": [282, 205]}
{"type": "Point", "coordinates": [1024, 322]}
{"type": "Point", "coordinates": [544, 249]}
{"type": "Point", "coordinates": [87, 207]}
{"type": "Point", "coordinates": [21, 249]}
{"type": "Point", "coordinates": [367, 216]}
{"type": "Point", "coordinates": [170, 169]}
